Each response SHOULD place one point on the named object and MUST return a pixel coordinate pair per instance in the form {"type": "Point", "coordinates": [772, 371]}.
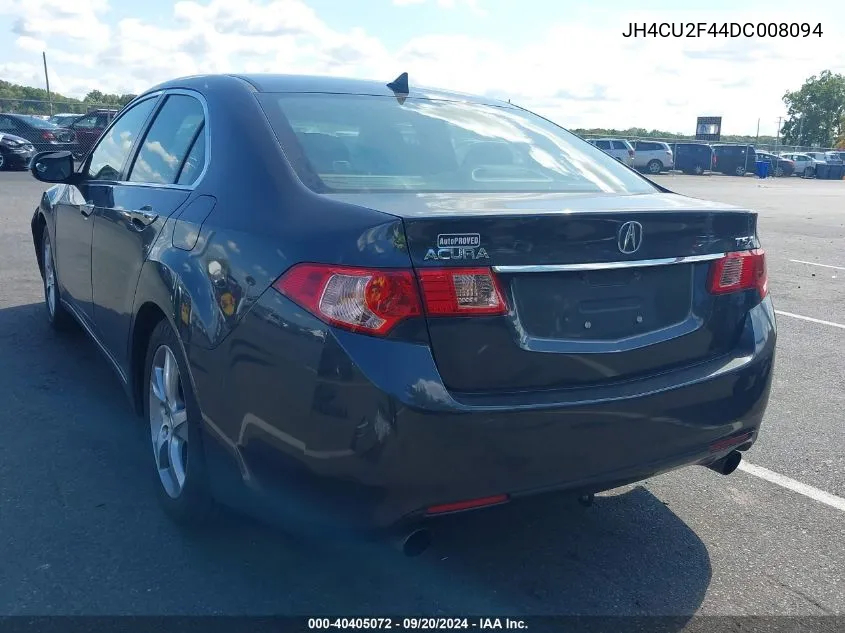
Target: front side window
{"type": "Point", "coordinates": [370, 143]}
{"type": "Point", "coordinates": [111, 152]}
{"type": "Point", "coordinates": [169, 140]}
{"type": "Point", "coordinates": [603, 144]}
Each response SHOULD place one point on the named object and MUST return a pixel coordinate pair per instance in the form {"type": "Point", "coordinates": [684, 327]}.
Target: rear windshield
{"type": "Point", "coordinates": [357, 143]}
{"type": "Point", "coordinates": [41, 124]}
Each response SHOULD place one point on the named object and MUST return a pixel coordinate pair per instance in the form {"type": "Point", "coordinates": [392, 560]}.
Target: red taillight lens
{"type": "Point", "coordinates": [361, 300]}
{"type": "Point", "coordinates": [48, 136]}
{"type": "Point", "coordinates": [375, 300]}
{"type": "Point", "coordinates": [460, 291]}
{"type": "Point", "coordinates": [743, 270]}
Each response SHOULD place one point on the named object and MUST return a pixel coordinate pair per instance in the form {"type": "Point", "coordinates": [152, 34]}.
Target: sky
{"type": "Point", "coordinates": [565, 60]}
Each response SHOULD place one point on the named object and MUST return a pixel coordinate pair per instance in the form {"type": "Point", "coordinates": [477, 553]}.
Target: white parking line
{"type": "Point", "coordinates": [795, 486]}
{"type": "Point", "coordinates": [801, 261]}
{"type": "Point", "coordinates": [810, 319]}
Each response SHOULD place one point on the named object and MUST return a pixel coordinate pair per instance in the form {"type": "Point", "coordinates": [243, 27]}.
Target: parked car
{"type": "Point", "coordinates": [693, 158]}
{"type": "Point", "coordinates": [652, 156]}
{"type": "Point", "coordinates": [64, 119]}
{"type": "Point", "coordinates": [89, 127]}
{"type": "Point", "coordinates": [620, 149]}
{"type": "Point", "coordinates": [835, 157]}
{"type": "Point", "coordinates": [15, 152]}
{"type": "Point", "coordinates": [42, 134]}
{"type": "Point", "coordinates": [734, 159]}
{"type": "Point", "coordinates": [351, 325]}
{"type": "Point", "coordinates": [821, 157]}
{"type": "Point", "coordinates": [778, 165]}
{"type": "Point", "coordinates": [805, 165]}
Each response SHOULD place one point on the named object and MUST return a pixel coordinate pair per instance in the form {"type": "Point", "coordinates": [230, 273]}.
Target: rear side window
{"type": "Point", "coordinates": [168, 141]}
{"type": "Point", "coordinates": [603, 144]}
{"type": "Point", "coordinates": [357, 143]}
{"type": "Point", "coordinates": [88, 122]}
{"type": "Point", "coordinates": [194, 162]}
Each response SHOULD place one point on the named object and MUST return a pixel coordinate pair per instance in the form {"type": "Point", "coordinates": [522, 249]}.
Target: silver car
{"type": "Point", "coordinates": [619, 148]}
{"type": "Point", "coordinates": [805, 165]}
{"type": "Point", "coordinates": [653, 156]}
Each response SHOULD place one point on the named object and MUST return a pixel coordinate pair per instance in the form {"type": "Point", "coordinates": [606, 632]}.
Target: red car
{"type": "Point", "coordinates": [89, 127]}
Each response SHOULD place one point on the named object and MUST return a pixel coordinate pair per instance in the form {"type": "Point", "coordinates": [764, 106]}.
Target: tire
{"type": "Point", "coordinates": [2, 162]}
{"type": "Point", "coordinates": [654, 166]}
{"type": "Point", "coordinates": [57, 316]}
{"type": "Point", "coordinates": [698, 170]}
{"type": "Point", "coordinates": [779, 172]}
{"type": "Point", "coordinates": [809, 172]}
{"type": "Point", "coordinates": [175, 431]}
{"type": "Point", "coordinates": [740, 170]}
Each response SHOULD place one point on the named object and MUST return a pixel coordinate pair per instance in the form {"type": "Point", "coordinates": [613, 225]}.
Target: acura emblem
{"type": "Point", "coordinates": [630, 237]}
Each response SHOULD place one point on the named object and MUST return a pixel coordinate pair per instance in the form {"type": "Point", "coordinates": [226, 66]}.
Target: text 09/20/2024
{"type": "Point", "coordinates": [724, 29]}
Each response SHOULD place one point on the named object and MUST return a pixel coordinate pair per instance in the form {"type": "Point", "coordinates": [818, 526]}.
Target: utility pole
{"type": "Point", "coordinates": [47, 80]}
{"type": "Point", "coordinates": [801, 131]}
{"type": "Point", "coordinates": [777, 138]}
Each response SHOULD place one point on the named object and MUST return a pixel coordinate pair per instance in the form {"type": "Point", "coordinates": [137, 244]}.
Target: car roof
{"type": "Point", "coordinates": [276, 83]}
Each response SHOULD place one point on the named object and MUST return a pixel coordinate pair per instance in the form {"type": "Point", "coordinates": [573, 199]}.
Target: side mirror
{"type": "Point", "coordinates": [52, 166]}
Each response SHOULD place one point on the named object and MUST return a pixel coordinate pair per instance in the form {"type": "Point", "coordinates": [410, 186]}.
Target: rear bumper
{"type": "Point", "coordinates": [384, 441]}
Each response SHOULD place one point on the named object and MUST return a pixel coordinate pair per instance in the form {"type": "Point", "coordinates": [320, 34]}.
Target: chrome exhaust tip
{"type": "Point", "coordinates": [727, 464]}
{"type": "Point", "coordinates": [414, 542]}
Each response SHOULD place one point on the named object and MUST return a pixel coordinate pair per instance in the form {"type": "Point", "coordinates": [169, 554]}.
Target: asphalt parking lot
{"type": "Point", "coordinates": [81, 533]}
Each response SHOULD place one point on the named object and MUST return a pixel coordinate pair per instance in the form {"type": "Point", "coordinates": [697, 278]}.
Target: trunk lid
{"type": "Point", "coordinates": [599, 288]}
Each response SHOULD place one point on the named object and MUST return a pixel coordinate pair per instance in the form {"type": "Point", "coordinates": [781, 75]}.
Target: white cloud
{"type": "Point", "coordinates": [577, 70]}
{"type": "Point", "coordinates": [447, 4]}
{"type": "Point", "coordinates": [31, 44]}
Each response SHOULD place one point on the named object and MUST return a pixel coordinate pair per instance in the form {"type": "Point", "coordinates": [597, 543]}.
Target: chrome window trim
{"type": "Point", "coordinates": [641, 263]}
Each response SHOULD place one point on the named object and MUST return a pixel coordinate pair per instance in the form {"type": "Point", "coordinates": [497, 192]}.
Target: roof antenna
{"type": "Point", "coordinates": [400, 89]}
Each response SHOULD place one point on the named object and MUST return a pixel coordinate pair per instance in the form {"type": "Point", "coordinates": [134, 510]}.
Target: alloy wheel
{"type": "Point", "coordinates": [168, 419]}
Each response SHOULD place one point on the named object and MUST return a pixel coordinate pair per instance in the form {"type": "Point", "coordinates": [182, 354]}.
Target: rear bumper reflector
{"type": "Point", "coordinates": [727, 443]}
{"type": "Point", "coordinates": [467, 505]}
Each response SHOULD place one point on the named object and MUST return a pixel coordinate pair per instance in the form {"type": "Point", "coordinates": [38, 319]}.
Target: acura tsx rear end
{"type": "Point", "coordinates": [384, 303]}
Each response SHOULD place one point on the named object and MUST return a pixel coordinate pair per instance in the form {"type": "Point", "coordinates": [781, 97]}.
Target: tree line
{"type": "Point", "coordinates": [29, 100]}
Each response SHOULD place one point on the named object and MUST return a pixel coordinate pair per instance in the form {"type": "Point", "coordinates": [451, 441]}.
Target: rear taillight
{"type": "Point", "coordinates": [47, 136]}
{"type": "Point", "coordinates": [743, 270]}
{"type": "Point", "coordinates": [357, 299]}
{"type": "Point", "coordinates": [376, 300]}
{"type": "Point", "coordinates": [461, 291]}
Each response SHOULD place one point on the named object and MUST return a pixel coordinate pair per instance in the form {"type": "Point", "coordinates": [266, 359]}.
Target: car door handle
{"type": "Point", "coordinates": [86, 209]}
{"type": "Point", "coordinates": [140, 218]}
